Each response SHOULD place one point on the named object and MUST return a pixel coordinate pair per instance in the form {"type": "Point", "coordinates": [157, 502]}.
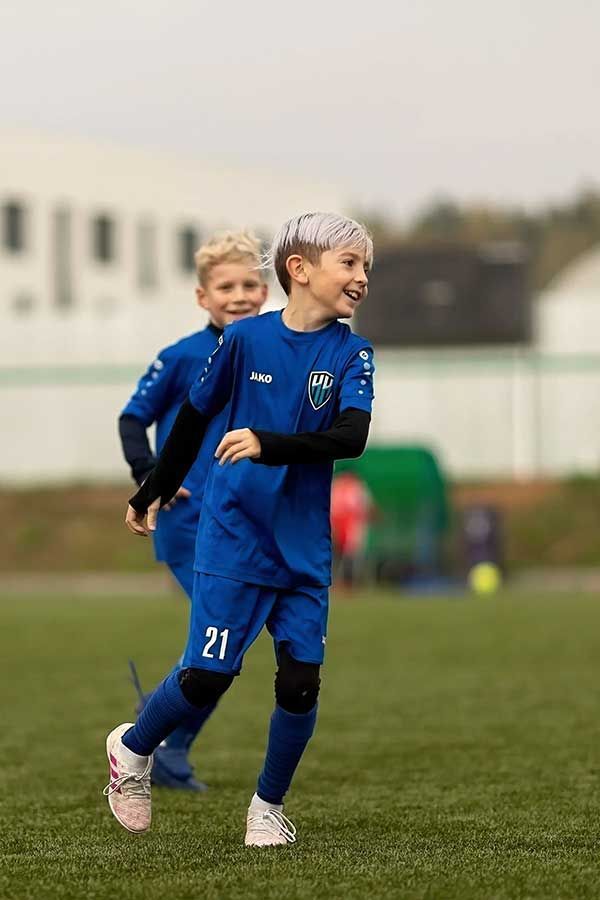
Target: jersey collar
{"type": "Point", "coordinates": [216, 331]}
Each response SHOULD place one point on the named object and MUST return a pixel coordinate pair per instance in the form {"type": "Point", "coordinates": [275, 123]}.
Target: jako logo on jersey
{"type": "Point", "coordinates": [320, 386]}
{"type": "Point", "coordinates": [260, 376]}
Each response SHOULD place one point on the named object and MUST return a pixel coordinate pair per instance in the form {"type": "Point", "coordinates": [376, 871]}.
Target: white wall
{"type": "Point", "coordinates": [491, 414]}
{"type": "Point", "coordinates": [502, 414]}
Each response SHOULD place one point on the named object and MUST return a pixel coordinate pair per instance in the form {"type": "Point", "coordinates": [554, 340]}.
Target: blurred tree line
{"type": "Point", "coordinates": [553, 236]}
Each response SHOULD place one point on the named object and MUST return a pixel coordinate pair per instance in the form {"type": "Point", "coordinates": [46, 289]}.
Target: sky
{"type": "Point", "coordinates": [395, 102]}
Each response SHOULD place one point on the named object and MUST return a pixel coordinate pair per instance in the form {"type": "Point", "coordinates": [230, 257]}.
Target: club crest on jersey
{"type": "Point", "coordinates": [320, 387]}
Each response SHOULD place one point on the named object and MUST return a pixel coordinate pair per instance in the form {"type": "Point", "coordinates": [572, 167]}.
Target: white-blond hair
{"type": "Point", "coordinates": [226, 247]}
{"type": "Point", "coordinates": [310, 235]}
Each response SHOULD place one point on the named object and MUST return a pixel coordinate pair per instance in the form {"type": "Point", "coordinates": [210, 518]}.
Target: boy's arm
{"type": "Point", "coordinates": [208, 395]}
{"type": "Point", "coordinates": [156, 390]}
{"type": "Point", "coordinates": [176, 459]}
{"type": "Point", "coordinates": [346, 439]}
{"type": "Point", "coordinates": [136, 446]}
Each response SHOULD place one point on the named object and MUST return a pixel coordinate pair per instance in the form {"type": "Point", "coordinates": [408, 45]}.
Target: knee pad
{"type": "Point", "coordinates": [201, 687]}
{"type": "Point", "coordinates": [296, 684]}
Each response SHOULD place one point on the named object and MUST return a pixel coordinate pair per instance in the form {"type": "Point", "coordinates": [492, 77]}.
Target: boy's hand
{"type": "Point", "coordinates": [135, 520]}
{"type": "Point", "coordinates": [182, 494]}
{"type": "Point", "coordinates": [239, 444]}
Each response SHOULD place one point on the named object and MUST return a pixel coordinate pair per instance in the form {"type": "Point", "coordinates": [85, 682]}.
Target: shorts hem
{"type": "Point", "coordinates": [218, 669]}
{"type": "Point", "coordinates": [313, 661]}
{"type": "Point", "coordinates": [252, 578]}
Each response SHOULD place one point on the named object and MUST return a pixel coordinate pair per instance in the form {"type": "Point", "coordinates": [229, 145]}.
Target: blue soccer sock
{"type": "Point", "coordinates": [166, 709]}
{"type": "Point", "coordinates": [289, 734]}
{"type": "Point", "coordinates": [182, 737]}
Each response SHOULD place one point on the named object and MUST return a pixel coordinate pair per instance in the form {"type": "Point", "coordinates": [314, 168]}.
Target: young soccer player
{"type": "Point", "coordinates": [297, 386]}
{"type": "Point", "coordinates": [230, 287]}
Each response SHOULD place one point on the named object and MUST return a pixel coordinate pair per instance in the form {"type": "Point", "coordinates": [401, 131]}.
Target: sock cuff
{"type": "Point", "coordinates": [259, 804]}
{"type": "Point", "coordinates": [136, 761]}
{"type": "Point", "coordinates": [296, 719]}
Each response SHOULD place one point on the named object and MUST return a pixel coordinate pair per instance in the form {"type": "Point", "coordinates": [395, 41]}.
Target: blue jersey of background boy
{"type": "Point", "coordinates": [159, 394]}
{"type": "Point", "coordinates": [270, 525]}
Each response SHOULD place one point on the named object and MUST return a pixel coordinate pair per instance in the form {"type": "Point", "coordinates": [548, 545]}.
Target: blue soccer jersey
{"type": "Point", "coordinates": [157, 398]}
{"type": "Point", "coordinates": [270, 525]}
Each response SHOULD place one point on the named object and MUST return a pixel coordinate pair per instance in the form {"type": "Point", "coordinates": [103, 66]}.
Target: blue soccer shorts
{"type": "Point", "coordinates": [184, 574]}
{"type": "Point", "coordinates": [227, 616]}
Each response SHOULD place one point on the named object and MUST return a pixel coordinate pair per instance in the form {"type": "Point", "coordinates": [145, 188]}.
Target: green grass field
{"type": "Point", "coordinates": [456, 756]}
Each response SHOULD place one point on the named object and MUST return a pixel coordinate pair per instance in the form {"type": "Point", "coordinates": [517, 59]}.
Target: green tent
{"type": "Point", "coordinates": [411, 509]}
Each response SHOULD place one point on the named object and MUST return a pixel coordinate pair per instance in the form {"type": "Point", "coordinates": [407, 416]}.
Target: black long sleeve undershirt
{"type": "Point", "coordinates": [136, 447]}
{"type": "Point", "coordinates": [176, 459]}
{"type": "Point", "coordinates": [346, 439]}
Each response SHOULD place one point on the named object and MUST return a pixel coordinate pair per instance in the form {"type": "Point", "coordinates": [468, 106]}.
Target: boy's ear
{"type": "Point", "coordinates": [264, 293]}
{"type": "Point", "coordinates": [201, 297]}
{"type": "Point", "coordinates": [296, 269]}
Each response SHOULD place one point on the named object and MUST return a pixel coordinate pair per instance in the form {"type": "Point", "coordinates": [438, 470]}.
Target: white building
{"type": "Point", "coordinates": [567, 318]}
{"type": "Point", "coordinates": [568, 312]}
{"type": "Point", "coordinates": [96, 244]}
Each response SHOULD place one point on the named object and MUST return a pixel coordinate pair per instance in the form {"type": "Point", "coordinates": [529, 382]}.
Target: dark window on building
{"type": "Point", "coordinates": [147, 256]}
{"type": "Point", "coordinates": [103, 239]}
{"type": "Point", "coordinates": [188, 240]}
{"type": "Point", "coordinates": [62, 241]}
{"type": "Point", "coordinates": [13, 226]}
{"type": "Point", "coordinates": [23, 304]}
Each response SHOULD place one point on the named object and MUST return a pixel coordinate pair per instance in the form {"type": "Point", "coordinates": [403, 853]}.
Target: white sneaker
{"type": "Point", "coordinates": [128, 790]}
{"type": "Point", "coordinates": [266, 826]}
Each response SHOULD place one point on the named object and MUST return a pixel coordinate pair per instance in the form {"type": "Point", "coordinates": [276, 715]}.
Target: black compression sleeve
{"type": "Point", "coordinates": [136, 448]}
{"type": "Point", "coordinates": [346, 439]}
{"type": "Point", "coordinates": [176, 459]}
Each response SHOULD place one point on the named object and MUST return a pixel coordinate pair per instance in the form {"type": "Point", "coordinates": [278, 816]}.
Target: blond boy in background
{"type": "Point", "coordinates": [231, 286]}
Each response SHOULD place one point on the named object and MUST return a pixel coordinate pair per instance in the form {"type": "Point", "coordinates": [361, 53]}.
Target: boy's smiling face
{"type": "Point", "coordinates": [233, 290]}
{"type": "Point", "coordinates": [338, 282]}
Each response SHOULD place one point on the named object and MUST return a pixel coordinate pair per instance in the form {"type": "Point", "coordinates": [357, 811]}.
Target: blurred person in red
{"type": "Point", "coordinates": [351, 512]}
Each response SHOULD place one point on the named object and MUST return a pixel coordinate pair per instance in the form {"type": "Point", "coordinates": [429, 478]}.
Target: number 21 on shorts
{"type": "Point", "coordinates": [213, 635]}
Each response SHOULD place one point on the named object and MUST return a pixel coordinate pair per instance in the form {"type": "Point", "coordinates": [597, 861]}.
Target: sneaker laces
{"type": "Point", "coordinates": [273, 822]}
{"type": "Point", "coordinates": [137, 785]}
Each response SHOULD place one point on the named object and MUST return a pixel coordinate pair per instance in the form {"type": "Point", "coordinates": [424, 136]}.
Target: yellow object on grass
{"type": "Point", "coordinates": [485, 578]}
